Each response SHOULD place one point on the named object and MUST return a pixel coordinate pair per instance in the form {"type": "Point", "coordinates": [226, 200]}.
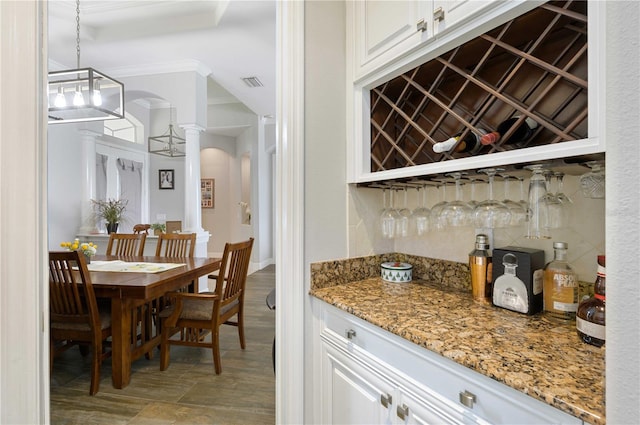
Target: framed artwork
{"type": "Point", "coordinates": [165, 179]}
{"type": "Point", "coordinates": [207, 193]}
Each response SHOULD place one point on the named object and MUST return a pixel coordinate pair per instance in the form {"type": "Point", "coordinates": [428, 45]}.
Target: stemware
{"type": "Point", "coordinates": [436, 223]}
{"type": "Point", "coordinates": [491, 213]}
{"type": "Point", "coordinates": [402, 221]}
{"type": "Point", "coordinates": [420, 215]}
{"type": "Point", "coordinates": [388, 216]}
{"type": "Point", "coordinates": [518, 212]}
{"type": "Point", "coordinates": [537, 212]}
{"type": "Point", "coordinates": [551, 204]}
{"type": "Point", "coordinates": [564, 200]}
{"type": "Point", "coordinates": [456, 213]}
{"type": "Point", "coordinates": [523, 201]}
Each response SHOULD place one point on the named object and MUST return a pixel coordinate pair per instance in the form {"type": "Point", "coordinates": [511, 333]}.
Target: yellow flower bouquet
{"type": "Point", "coordinates": [87, 248]}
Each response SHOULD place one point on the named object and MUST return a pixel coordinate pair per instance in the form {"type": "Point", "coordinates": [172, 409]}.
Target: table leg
{"type": "Point", "coordinates": [120, 344]}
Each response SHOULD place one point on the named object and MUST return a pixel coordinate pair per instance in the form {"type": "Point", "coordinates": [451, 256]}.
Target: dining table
{"type": "Point", "coordinates": [136, 287]}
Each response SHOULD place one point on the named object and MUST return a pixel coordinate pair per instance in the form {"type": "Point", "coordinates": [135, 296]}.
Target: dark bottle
{"type": "Point", "coordinates": [590, 322]}
{"type": "Point", "coordinates": [470, 143]}
{"type": "Point", "coordinates": [521, 134]}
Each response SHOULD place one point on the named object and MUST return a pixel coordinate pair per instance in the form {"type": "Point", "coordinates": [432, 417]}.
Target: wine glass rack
{"type": "Point", "coordinates": [532, 66]}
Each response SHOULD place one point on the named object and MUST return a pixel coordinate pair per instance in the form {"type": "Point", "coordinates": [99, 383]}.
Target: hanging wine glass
{"type": "Point", "coordinates": [518, 213]}
{"type": "Point", "coordinates": [491, 213]}
{"type": "Point", "coordinates": [592, 183]}
{"type": "Point", "coordinates": [551, 204]}
{"type": "Point", "coordinates": [402, 222]}
{"type": "Point", "coordinates": [420, 215]}
{"type": "Point", "coordinates": [537, 212]}
{"type": "Point", "coordinates": [564, 200]}
{"type": "Point", "coordinates": [436, 223]}
{"type": "Point", "coordinates": [523, 200]}
{"type": "Point", "coordinates": [456, 213]}
{"type": "Point", "coordinates": [388, 216]}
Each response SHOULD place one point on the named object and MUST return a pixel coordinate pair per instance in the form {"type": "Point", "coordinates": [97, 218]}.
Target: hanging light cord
{"type": "Point", "coordinates": [78, 33]}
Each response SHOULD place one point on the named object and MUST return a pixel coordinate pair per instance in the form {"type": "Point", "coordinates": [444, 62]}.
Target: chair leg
{"type": "Point", "coordinates": [164, 348]}
{"type": "Point", "coordinates": [215, 342]}
{"type": "Point", "coordinates": [95, 367]}
{"type": "Point", "coordinates": [241, 327]}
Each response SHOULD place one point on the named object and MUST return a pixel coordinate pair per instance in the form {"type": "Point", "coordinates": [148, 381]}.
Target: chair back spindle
{"type": "Point", "coordinates": [126, 244]}
{"type": "Point", "coordinates": [176, 245]}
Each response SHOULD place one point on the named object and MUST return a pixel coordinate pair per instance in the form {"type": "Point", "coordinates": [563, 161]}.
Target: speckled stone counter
{"type": "Point", "coordinates": [533, 354]}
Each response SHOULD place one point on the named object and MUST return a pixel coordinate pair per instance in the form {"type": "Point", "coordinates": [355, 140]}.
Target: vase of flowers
{"type": "Point", "coordinates": [111, 211]}
{"type": "Point", "coordinates": [87, 248]}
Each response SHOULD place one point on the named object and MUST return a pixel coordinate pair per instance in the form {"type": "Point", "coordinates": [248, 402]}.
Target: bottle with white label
{"type": "Point", "coordinates": [508, 290]}
{"type": "Point", "coordinates": [560, 285]}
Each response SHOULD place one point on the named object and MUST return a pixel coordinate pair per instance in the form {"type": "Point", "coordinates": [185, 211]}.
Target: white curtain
{"type": "Point", "coordinates": [130, 173]}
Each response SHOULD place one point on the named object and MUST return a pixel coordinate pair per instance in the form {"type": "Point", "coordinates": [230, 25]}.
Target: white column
{"type": "Point", "coordinates": [88, 189]}
{"type": "Point", "coordinates": [192, 209]}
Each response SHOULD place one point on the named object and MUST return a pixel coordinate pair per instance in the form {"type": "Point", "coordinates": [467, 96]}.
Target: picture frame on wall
{"type": "Point", "coordinates": [166, 179]}
{"type": "Point", "coordinates": [207, 193]}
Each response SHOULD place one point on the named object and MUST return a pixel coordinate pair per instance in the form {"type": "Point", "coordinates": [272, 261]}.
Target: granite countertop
{"type": "Point", "coordinates": [533, 354]}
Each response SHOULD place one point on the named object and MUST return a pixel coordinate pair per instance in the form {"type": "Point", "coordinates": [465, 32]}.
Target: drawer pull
{"type": "Point", "coordinates": [421, 25]}
{"type": "Point", "coordinates": [403, 411]}
{"type": "Point", "coordinates": [467, 399]}
{"type": "Point", "coordinates": [438, 14]}
{"type": "Point", "coordinates": [351, 334]}
{"type": "Point", "coordinates": [386, 400]}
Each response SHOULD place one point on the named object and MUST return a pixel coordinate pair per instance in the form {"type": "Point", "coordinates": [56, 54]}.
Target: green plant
{"type": "Point", "coordinates": [111, 210]}
{"type": "Point", "coordinates": [159, 226]}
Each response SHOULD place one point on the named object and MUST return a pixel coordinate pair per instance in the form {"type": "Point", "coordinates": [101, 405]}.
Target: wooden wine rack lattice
{"type": "Point", "coordinates": [532, 66]}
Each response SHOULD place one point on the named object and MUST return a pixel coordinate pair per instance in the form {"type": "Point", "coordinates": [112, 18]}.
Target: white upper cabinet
{"type": "Point", "coordinates": [381, 31]}
{"type": "Point", "coordinates": [475, 65]}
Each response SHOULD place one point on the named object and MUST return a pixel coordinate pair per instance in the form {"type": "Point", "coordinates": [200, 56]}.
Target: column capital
{"type": "Point", "coordinates": [192, 126]}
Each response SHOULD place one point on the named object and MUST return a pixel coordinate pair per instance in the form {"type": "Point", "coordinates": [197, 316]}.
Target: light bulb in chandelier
{"type": "Point", "coordinates": [97, 97]}
{"type": "Point", "coordinates": [78, 98]}
{"type": "Point", "coordinates": [60, 101]}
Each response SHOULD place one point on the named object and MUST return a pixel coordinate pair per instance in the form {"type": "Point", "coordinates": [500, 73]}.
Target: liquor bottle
{"type": "Point", "coordinates": [481, 269]}
{"type": "Point", "coordinates": [521, 134]}
{"type": "Point", "coordinates": [470, 143]}
{"type": "Point", "coordinates": [590, 318]}
{"type": "Point", "coordinates": [560, 285]}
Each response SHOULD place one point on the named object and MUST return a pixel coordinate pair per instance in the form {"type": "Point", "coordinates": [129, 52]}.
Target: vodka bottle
{"type": "Point", "coordinates": [560, 285]}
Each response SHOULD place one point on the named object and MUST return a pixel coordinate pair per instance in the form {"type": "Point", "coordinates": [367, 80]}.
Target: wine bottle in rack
{"type": "Point", "coordinates": [522, 133]}
{"type": "Point", "coordinates": [470, 143]}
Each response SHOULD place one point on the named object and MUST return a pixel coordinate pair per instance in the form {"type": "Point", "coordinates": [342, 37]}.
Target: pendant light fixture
{"type": "Point", "coordinates": [169, 144]}
{"type": "Point", "coordinates": [83, 94]}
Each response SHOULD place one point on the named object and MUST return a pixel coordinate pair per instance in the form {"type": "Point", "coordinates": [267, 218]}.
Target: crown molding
{"type": "Point", "coordinates": [160, 68]}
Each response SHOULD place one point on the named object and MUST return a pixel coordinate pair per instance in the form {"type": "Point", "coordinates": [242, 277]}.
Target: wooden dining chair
{"type": "Point", "coordinates": [176, 245]}
{"type": "Point", "coordinates": [74, 315]}
{"type": "Point", "coordinates": [128, 244]}
{"type": "Point", "coordinates": [194, 316]}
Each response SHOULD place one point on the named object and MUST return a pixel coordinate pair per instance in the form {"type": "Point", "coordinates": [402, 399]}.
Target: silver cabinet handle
{"type": "Point", "coordinates": [438, 14]}
{"type": "Point", "coordinates": [467, 398]}
{"type": "Point", "coordinates": [386, 400]}
{"type": "Point", "coordinates": [421, 25]}
{"type": "Point", "coordinates": [403, 412]}
{"type": "Point", "coordinates": [351, 334]}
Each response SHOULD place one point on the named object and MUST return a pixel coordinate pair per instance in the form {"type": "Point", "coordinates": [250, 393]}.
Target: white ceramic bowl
{"type": "Point", "coordinates": [396, 272]}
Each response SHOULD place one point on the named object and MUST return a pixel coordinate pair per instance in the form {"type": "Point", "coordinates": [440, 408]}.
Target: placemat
{"type": "Point", "coordinates": [131, 267]}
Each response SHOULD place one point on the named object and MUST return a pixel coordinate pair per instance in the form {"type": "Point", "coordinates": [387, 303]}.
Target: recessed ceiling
{"type": "Point", "coordinates": [233, 39]}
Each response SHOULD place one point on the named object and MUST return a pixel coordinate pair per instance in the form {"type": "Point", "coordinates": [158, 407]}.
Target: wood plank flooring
{"type": "Point", "coordinates": [189, 391]}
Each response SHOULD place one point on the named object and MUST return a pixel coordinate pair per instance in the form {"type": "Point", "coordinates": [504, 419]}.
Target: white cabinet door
{"type": "Point", "coordinates": [383, 30]}
{"type": "Point", "coordinates": [448, 13]}
{"type": "Point", "coordinates": [356, 396]}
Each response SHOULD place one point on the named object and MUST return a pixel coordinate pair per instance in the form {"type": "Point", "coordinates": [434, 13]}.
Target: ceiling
{"type": "Point", "coordinates": [233, 39]}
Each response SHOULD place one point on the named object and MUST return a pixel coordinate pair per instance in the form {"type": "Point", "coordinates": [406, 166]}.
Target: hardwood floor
{"type": "Point", "coordinates": [189, 391]}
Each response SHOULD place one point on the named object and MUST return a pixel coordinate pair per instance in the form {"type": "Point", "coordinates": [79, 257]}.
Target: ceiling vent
{"type": "Point", "coordinates": [252, 82]}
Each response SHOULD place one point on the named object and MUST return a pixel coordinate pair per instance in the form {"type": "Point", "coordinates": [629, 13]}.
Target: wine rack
{"type": "Point", "coordinates": [532, 66]}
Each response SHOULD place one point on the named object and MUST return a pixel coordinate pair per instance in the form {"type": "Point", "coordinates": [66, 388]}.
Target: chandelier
{"type": "Point", "coordinates": [83, 94]}
{"type": "Point", "coordinates": [169, 144]}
